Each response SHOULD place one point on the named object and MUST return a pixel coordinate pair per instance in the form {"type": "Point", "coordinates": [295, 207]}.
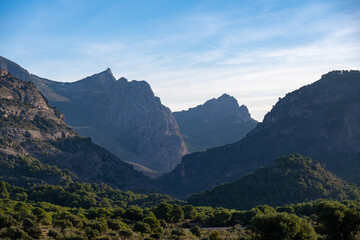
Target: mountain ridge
{"type": "Point", "coordinates": [217, 122]}
{"type": "Point", "coordinates": [319, 120]}
{"type": "Point", "coordinates": [88, 105]}
{"type": "Point", "coordinates": [35, 139]}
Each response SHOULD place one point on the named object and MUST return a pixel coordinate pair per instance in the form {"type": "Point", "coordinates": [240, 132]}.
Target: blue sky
{"type": "Point", "coordinates": [189, 51]}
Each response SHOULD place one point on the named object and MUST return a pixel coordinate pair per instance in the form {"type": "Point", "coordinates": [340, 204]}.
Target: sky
{"type": "Point", "coordinates": [189, 51]}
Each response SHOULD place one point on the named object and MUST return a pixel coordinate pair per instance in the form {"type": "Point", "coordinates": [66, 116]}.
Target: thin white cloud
{"type": "Point", "coordinates": [199, 55]}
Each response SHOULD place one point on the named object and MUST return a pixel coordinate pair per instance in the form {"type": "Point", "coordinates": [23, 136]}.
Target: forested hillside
{"type": "Point", "coordinates": [292, 179]}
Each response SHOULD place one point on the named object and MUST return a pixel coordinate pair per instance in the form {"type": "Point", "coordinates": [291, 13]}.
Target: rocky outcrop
{"type": "Point", "coordinates": [320, 120]}
{"type": "Point", "coordinates": [215, 123]}
{"type": "Point", "coordinates": [123, 117]}
{"type": "Point", "coordinates": [30, 127]}
{"type": "Point", "coordinates": [144, 126]}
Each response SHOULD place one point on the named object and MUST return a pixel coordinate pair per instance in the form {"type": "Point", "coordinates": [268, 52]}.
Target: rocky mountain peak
{"type": "Point", "coordinates": [144, 125]}
{"type": "Point", "coordinates": [225, 105]}
{"type": "Point", "coordinates": [217, 122]}
{"type": "Point", "coordinates": [105, 78]}
{"type": "Point", "coordinates": [14, 69]}
{"type": "Point", "coordinates": [122, 80]}
{"type": "Point", "coordinates": [224, 100]}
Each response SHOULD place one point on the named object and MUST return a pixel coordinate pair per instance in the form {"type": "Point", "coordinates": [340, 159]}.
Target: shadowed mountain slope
{"type": "Point", "coordinates": [123, 117]}
{"type": "Point", "coordinates": [34, 137]}
{"type": "Point", "coordinates": [215, 123]}
{"type": "Point", "coordinates": [320, 120]}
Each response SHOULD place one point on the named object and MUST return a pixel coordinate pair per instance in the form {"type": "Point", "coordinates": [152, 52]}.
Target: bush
{"type": "Point", "coordinates": [282, 226]}
{"type": "Point", "coordinates": [215, 235]}
{"type": "Point", "coordinates": [142, 227]}
{"type": "Point", "coordinates": [196, 230]}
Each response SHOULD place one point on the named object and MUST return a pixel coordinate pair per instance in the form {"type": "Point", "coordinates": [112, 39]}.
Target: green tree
{"type": "Point", "coordinates": [215, 235]}
{"type": "Point", "coordinates": [190, 212]}
{"type": "Point", "coordinates": [196, 230]}
{"type": "Point", "coordinates": [134, 213]}
{"type": "Point", "coordinates": [177, 214]}
{"type": "Point", "coordinates": [337, 221]}
{"type": "Point", "coordinates": [164, 211]}
{"type": "Point", "coordinates": [282, 226]}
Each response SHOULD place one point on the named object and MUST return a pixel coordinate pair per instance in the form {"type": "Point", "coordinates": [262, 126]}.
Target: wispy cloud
{"type": "Point", "coordinates": [255, 55]}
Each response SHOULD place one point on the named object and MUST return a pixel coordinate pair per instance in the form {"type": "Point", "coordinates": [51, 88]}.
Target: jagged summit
{"type": "Point", "coordinates": [124, 117]}
{"type": "Point", "coordinates": [32, 127]}
{"type": "Point", "coordinates": [122, 80]}
{"type": "Point", "coordinates": [217, 122]}
{"type": "Point", "coordinates": [320, 120]}
{"type": "Point", "coordinates": [14, 69]}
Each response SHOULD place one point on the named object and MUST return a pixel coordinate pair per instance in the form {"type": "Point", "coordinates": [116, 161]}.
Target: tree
{"type": "Point", "coordinates": [134, 213]}
{"type": "Point", "coordinates": [222, 216]}
{"type": "Point", "coordinates": [215, 235]}
{"type": "Point", "coordinates": [196, 230]}
{"type": "Point", "coordinates": [164, 211]}
{"type": "Point", "coordinates": [282, 226]}
{"type": "Point", "coordinates": [177, 213]}
{"type": "Point", "coordinates": [190, 212]}
{"type": "Point", "coordinates": [338, 221]}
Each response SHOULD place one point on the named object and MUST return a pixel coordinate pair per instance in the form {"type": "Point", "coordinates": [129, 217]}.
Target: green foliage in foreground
{"type": "Point", "coordinates": [85, 211]}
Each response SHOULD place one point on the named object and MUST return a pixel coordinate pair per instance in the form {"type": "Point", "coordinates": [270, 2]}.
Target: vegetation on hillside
{"type": "Point", "coordinates": [291, 179]}
{"type": "Point", "coordinates": [84, 211]}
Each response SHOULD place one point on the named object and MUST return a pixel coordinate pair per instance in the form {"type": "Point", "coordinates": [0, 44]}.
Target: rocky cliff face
{"type": "Point", "coordinates": [215, 123]}
{"type": "Point", "coordinates": [123, 117]}
{"type": "Point", "coordinates": [31, 129]}
{"type": "Point", "coordinates": [320, 120]}
{"type": "Point", "coordinates": [146, 127]}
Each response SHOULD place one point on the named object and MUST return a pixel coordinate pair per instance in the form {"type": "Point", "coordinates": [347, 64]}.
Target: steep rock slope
{"type": "Point", "coordinates": [32, 131]}
{"type": "Point", "coordinates": [215, 123]}
{"type": "Point", "coordinates": [320, 120]}
{"type": "Point", "coordinates": [123, 117]}
{"type": "Point", "coordinates": [292, 179]}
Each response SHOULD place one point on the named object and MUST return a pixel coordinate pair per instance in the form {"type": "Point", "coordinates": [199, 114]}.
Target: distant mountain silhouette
{"type": "Point", "coordinates": [123, 117]}
{"type": "Point", "coordinates": [320, 120]}
{"type": "Point", "coordinates": [215, 123]}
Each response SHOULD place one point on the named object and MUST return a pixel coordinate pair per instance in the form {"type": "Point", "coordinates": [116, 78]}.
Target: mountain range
{"type": "Point", "coordinates": [320, 120]}
{"type": "Point", "coordinates": [215, 123]}
{"type": "Point", "coordinates": [123, 117]}
{"type": "Point", "coordinates": [35, 142]}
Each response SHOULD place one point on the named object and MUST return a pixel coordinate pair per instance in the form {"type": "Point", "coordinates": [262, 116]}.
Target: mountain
{"type": "Point", "coordinates": [320, 120]}
{"type": "Point", "coordinates": [35, 139]}
{"type": "Point", "coordinates": [292, 179]}
{"type": "Point", "coordinates": [215, 123]}
{"type": "Point", "coordinates": [123, 117]}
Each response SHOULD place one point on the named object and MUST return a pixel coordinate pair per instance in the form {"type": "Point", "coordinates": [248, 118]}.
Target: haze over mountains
{"type": "Point", "coordinates": [128, 120]}
{"type": "Point", "coordinates": [215, 123]}
{"type": "Point", "coordinates": [320, 120]}
{"type": "Point", "coordinates": [124, 117]}
{"type": "Point", "coordinates": [35, 141]}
